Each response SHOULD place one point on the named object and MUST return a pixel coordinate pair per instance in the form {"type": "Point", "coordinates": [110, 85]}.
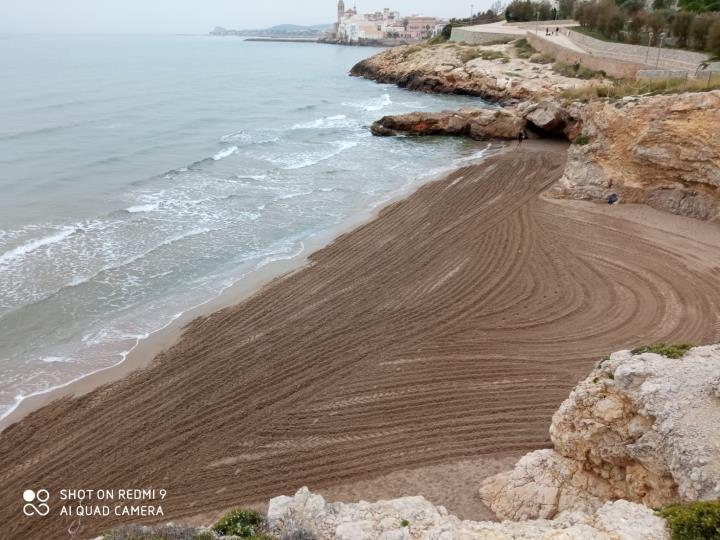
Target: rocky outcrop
{"type": "Point", "coordinates": [477, 124]}
{"type": "Point", "coordinates": [663, 151]}
{"type": "Point", "coordinates": [416, 518]}
{"type": "Point", "coordinates": [548, 117]}
{"type": "Point", "coordinates": [641, 427]}
{"type": "Point", "coordinates": [452, 68]}
{"type": "Point", "coordinates": [536, 119]}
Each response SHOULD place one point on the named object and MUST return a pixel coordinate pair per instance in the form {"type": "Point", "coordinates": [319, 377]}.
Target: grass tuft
{"type": "Point", "coordinates": [523, 48]}
{"type": "Point", "coordinates": [409, 51]}
{"type": "Point", "coordinates": [577, 71]}
{"type": "Point", "coordinates": [581, 140]}
{"type": "Point", "coordinates": [670, 351]}
{"type": "Point", "coordinates": [466, 55]}
{"type": "Point", "coordinates": [542, 58]}
{"type": "Point", "coordinates": [625, 88]}
{"type": "Point", "coordinates": [163, 532]}
{"type": "Point", "coordinates": [242, 523]}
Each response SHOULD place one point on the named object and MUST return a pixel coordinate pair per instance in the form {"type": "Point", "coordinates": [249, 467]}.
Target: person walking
{"type": "Point", "coordinates": [521, 137]}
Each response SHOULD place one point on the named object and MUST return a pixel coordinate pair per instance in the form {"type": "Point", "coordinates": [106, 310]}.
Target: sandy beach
{"type": "Point", "coordinates": [430, 344]}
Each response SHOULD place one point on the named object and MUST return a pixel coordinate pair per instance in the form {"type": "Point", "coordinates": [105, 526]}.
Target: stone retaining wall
{"type": "Point", "coordinates": [479, 38]}
{"type": "Point", "coordinates": [614, 68]}
{"type": "Point", "coordinates": [544, 24]}
{"type": "Point", "coordinates": [710, 75]}
{"type": "Point", "coordinates": [669, 59]}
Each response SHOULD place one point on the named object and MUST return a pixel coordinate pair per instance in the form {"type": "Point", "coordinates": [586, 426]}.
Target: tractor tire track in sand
{"type": "Point", "coordinates": [451, 326]}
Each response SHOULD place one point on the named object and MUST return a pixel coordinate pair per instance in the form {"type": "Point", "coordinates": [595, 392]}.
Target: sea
{"type": "Point", "coordinates": [141, 176]}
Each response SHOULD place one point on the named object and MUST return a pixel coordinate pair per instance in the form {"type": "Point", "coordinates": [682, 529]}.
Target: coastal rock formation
{"type": "Point", "coordinates": [663, 151]}
{"type": "Point", "coordinates": [415, 517]}
{"type": "Point", "coordinates": [475, 123]}
{"type": "Point", "coordinates": [544, 119]}
{"type": "Point", "coordinates": [548, 116]}
{"type": "Point", "coordinates": [641, 427]}
{"type": "Point", "coordinates": [492, 73]}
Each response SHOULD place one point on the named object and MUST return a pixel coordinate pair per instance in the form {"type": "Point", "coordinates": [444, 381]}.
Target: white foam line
{"type": "Point", "coordinates": [267, 260]}
{"type": "Point", "coordinates": [20, 398]}
{"type": "Point", "coordinates": [226, 152]}
{"type": "Point", "coordinates": [143, 208]}
{"type": "Point", "coordinates": [31, 246]}
{"type": "Point", "coordinates": [140, 338]}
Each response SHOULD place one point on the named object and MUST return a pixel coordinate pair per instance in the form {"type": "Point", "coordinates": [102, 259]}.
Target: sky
{"type": "Point", "coordinates": [196, 16]}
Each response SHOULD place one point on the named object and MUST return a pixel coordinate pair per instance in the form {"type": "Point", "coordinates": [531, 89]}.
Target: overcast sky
{"type": "Point", "coordinates": [195, 16]}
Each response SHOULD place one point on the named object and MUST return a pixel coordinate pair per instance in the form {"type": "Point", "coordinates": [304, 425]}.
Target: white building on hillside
{"type": "Point", "coordinates": [352, 27]}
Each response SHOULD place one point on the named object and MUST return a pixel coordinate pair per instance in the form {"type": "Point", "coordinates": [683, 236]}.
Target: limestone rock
{"type": "Point", "coordinates": [640, 427]}
{"type": "Point", "coordinates": [459, 69]}
{"type": "Point", "coordinates": [661, 150]}
{"type": "Point", "coordinates": [549, 117]}
{"type": "Point", "coordinates": [416, 518]}
{"type": "Point", "coordinates": [475, 123]}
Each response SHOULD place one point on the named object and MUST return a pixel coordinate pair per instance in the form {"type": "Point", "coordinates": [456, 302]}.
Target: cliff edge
{"type": "Point", "coordinates": [663, 151]}
{"type": "Point", "coordinates": [641, 427]}
{"type": "Point", "coordinates": [494, 73]}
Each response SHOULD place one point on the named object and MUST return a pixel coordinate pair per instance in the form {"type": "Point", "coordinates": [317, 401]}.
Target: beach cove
{"type": "Point", "coordinates": [419, 350]}
{"type": "Point", "coordinates": [120, 190]}
{"type": "Point", "coordinates": [347, 369]}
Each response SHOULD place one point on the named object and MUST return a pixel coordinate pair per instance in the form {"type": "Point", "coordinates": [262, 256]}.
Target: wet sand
{"type": "Point", "coordinates": [441, 334]}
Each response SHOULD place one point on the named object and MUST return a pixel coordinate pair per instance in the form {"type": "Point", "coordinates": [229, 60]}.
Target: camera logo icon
{"type": "Point", "coordinates": [36, 502]}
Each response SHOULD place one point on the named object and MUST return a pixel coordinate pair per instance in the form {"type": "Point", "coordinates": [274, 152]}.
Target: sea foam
{"type": "Point", "coordinates": [20, 251]}
{"type": "Point", "coordinates": [225, 152]}
{"type": "Point", "coordinates": [143, 208]}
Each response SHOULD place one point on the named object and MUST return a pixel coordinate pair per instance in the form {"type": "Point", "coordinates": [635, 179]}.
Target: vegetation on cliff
{"type": "Point", "coordinates": [698, 520]}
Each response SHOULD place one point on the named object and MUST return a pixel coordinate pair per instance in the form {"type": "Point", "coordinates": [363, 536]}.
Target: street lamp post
{"type": "Point", "coordinates": [472, 12]}
{"type": "Point", "coordinates": [647, 56]}
{"type": "Point", "coordinates": [662, 39]}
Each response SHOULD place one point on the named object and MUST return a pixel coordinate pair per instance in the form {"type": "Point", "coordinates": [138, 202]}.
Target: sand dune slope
{"type": "Point", "coordinates": [451, 326]}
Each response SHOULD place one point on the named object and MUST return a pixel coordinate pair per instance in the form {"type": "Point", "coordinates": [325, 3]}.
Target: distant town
{"type": "Point", "coordinates": [352, 28]}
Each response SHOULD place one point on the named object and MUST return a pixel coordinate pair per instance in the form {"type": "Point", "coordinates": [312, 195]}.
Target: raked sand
{"type": "Point", "coordinates": [411, 354]}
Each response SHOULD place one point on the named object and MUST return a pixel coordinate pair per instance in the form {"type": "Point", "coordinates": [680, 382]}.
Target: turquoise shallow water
{"type": "Point", "coordinates": [142, 175]}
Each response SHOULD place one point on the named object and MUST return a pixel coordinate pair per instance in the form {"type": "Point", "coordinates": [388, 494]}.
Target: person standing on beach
{"type": "Point", "coordinates": [521, 137]}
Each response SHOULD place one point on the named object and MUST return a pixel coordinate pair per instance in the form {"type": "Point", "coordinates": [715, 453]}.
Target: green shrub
{"type": "Point", "coordinates": [622, 88]}
{"type": "Point", "coordinates": [543, 58]}
{"type": "Point", "coordinates": [243, 523]}
{"type": "Point", "coordinates": [670, 351]}
{"type": "Point", "coordinates": [581, 139]}
{"type": "Point", "coordinates": [405, 523]}
{"type": "Point", "coordinates": [698, 520]}
{"type": "Point", "coordinates": [466, 55]}
{"type": "Point", "coordinates": [492, 55]}
{"type": "Point", "coordinates": [586, 73]}
{"type": "Point", "coordinates": [577, 71]}
{"type": "Point", "coordinates": [524, 49]}
{"type": "Point", "coordinates": [407, 53]}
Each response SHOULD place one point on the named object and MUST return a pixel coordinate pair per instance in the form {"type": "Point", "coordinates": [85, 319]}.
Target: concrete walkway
{"type": "Point", "coordinates": [503, 28]}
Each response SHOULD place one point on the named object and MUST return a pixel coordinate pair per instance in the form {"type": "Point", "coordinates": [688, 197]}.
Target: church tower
{"type": "Point", "coordinates": [341, 10]}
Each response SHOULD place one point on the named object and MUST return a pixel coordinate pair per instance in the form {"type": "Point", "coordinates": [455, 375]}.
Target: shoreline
{"type": "Point", "coordinates": [142, 354]}
{"type": "Point", "coordinates": [443, 333]}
